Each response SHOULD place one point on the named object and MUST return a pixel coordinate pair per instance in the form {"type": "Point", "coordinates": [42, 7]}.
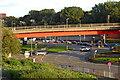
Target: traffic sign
{"type": "Point", "coordinates": [109, 63]}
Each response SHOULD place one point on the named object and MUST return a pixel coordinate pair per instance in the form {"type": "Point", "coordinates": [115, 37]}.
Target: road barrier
{"type": "Point", "coordinates": [93, 71]}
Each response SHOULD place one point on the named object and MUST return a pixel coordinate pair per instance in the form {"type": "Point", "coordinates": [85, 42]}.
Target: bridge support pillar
{"type": "Point", "coordinates": [104, 37]}
{"type": "Point", "coordinates": [84, 37]}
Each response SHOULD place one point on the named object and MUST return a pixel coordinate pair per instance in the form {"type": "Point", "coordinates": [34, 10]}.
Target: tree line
{"type": "Point", "coordinates": [75, 15]}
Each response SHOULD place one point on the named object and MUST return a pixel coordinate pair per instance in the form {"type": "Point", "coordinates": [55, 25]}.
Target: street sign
{"type": "Point", "coordinates": [109, 63]}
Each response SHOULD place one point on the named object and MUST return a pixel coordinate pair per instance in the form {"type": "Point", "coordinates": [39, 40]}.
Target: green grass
{"type": "Point", "coordinates": [58, 49]}
{"type": "Point", "coordinates": [20, 69]}
{"type": "Point", "coordinates": [110, 59]}
{"type": "Point", "coordinates": [109, 52]}
{"type": "Point", "coordinates": [28, 47]}
{"type": "Point", "coordinates": [112, 40]}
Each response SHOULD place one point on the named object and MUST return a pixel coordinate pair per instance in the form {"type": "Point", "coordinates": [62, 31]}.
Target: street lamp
{"type": "Point", "coordinates": [94, 40]}
{"type": "Point", "coordinates": [67, 22]}
{"type": "Point", "coordinates": [31, 44]}
{"type": "Point", "coordinates": [66, 36]}
{"type": "Point", "coordinates": [80, 38]}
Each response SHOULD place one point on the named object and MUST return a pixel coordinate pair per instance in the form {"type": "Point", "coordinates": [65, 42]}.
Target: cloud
{"type": "Point", "coordinates": [19, 8]}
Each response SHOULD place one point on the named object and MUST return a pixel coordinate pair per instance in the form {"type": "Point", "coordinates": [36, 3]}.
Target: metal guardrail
{"type": "Point", "coordinates": [93, 71]}
{"type": "Point", "coordinates": [66, 26]}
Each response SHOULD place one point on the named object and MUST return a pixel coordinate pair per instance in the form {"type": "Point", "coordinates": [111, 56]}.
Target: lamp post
{"type": "Point", "coordinates": [31, 44]}
{"type": "Point", "coordinates": [94, 40]}
{"type": "Point", "coordinates": [66, 38]}
{"type": "Point", "coordinates": [67, 22]}
{"type": "Point", "coordinates": [80, 38]}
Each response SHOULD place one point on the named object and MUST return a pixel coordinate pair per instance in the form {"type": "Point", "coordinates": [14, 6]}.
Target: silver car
{"type": "Point", "coordinates": [84, 48]}
{"type": "Point", "coordinates": [40, 52]}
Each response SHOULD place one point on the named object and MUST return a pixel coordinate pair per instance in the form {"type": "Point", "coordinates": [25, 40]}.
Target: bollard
{"type": "Point", "coordinates": [33, 59]}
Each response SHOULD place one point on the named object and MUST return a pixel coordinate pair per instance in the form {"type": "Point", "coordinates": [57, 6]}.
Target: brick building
{"type": "Point", "coordinates": [2, 15]}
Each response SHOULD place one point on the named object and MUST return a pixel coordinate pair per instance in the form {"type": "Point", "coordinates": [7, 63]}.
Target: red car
{"type": "Point", "coordinates": [57, 41]}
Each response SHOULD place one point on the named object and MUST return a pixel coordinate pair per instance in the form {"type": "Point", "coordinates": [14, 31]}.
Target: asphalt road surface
{"type": "Point", "coordinates": [75, 58]}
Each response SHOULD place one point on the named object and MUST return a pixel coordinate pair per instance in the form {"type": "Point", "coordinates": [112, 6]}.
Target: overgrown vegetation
{"type": "Point", "coordinates": [58, 49]}
{"type": "Point", "coordinates": [20, 69]}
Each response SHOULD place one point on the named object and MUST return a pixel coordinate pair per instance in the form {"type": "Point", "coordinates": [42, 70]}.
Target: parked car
{"type": "Point", "coordinates": [97, 44]}
{"type": "Point", "coordinates": [40, 52]}
{"type": "Point", "coordinates": [79, 43]}
{"type": "Point", "coordinates": [62, 41]}
{"type": "Point", "coordinates": [74, 42]}
{"type": "Point", "coordinates": [84, 48]}
{"type": "Point", "coordinates": [86, 44]}
{"type": "Point", "coordinates": [68, 42]}
{"type": "Point", "coordinates": [105, 44]}
{"type": "Point", "coordinates": [111, 48]}
{"type": "Point", "coordinates": [114, 44]}
{"type": "Point", "coordinates": [57, 41]}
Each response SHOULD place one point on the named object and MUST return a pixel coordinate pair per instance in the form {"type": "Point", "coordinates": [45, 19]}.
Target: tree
{"type": "Point", "coordinates": [102, 10]}
{"type": "Point", "coordinates": [10, 44]}
{"type": "Point", "coordinates": [11, 21]}
{"type": "Point", "coordinates": [73, 13]}
{"type": "Point", "coordinates": [47, 16]}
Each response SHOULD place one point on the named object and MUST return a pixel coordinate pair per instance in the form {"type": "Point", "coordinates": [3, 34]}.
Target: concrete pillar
{"type": "Point", "coordinates": [84, 37]}
{"type": "Point", "coordinates": [104, 37]}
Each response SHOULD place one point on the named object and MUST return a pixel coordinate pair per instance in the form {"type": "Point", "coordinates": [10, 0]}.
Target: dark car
{"type": "Point", "coordinates": [111, 48]}
{"type": "Point", "coordinates": [79, 43]}
{"type": "Point", "coordinates": [105, 44]}
{"type": "Point", "coordinates": [114, 44]}
{"type": "Point", "coordinates": [86, 44]}
{"type": "Point", "coordinates": [97, 44]}
{"type": "Point", "coordinates": [74, 42]}
{"type": "Point", "coordinates": [62, 41]}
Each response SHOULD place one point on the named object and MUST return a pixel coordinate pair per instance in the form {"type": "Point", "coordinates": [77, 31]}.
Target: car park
{"type": "Point", "coordinates": [84, 48]}
{"type": "Point", "coordinates": [40, 52]}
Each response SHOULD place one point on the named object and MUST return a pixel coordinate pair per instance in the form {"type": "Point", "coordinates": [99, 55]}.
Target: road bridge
{"type": "Point", "coordinates": [66, 30]}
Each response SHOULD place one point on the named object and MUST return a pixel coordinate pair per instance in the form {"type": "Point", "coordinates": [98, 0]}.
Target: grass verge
{"type": "Point", "coordinates": [58, 49]}
{"type": "Point", "coordinates": [28, 47]}
{"type": "Point", "coordinates": [109, 59]}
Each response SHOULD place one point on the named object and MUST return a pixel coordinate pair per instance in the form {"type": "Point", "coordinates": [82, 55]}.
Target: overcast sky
{"type": "Point", "coordinates": [20, 8]}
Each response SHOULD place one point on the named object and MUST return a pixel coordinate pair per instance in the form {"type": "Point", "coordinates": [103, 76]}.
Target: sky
{"type": "Point", "coordinates": [19, 8]}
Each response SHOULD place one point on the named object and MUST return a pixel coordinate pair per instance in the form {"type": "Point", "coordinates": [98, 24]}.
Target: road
{"type": "Point", "coordinates": [75, 58]}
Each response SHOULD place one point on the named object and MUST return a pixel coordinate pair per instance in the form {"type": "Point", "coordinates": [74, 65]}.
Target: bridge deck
{"type": "Point", "coordinates": [73, 27]}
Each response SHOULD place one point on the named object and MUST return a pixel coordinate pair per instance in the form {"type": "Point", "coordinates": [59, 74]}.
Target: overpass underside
{"type": "Point", "coordinates": [66, 33]}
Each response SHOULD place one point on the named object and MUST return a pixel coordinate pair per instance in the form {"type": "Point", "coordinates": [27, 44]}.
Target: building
{"type": "Point", "coordinates": [2, 15]}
